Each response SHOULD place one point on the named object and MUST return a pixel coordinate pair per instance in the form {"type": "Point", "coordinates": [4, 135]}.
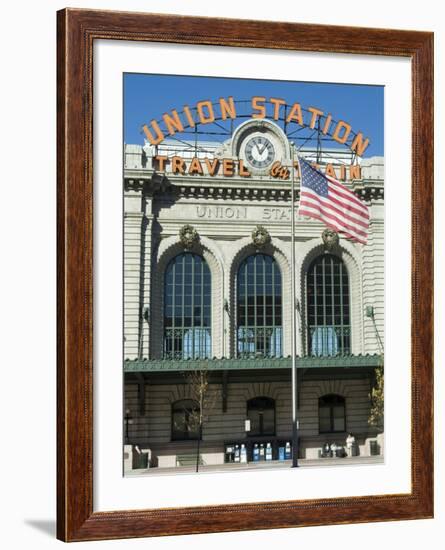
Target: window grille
{"type": "Point", "coordinates": [331, 414]}
{"type": "Point", "coordinates": [185, 420]}
{"type": "Point", "coordinates": [187, 308]}
{"type": "Point", "coordinates": [259, 316]}
{"type": "Point", "coordinates": [261, 413]}
{"type": "Point", "coordinates": [329, 331]}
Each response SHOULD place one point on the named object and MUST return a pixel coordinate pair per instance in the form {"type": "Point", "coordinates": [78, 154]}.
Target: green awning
{"type": "Point", "coordinates": [168, 365]}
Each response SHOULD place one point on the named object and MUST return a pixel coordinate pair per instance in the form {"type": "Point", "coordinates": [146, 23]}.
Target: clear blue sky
{"type": "Point", "coordinates": [147, 97]}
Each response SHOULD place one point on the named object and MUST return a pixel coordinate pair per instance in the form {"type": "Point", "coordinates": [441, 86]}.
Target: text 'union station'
{"type": "Point", "coordinates": [207, 306]}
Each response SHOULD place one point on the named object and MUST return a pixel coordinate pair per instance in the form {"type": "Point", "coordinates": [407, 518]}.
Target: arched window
{"type": "Point", "coordinates": [261, 413]}
{"type": "Point", "coordinates": [259, 319]}
{"type": "Point", "coordinates": [187, 298]}
{"type": "Point", "coordinates": [185, 420]}
{"type": "Point", "coordinates": [331, 414]}
{"type": "Point", "coordinates": [329, 331]}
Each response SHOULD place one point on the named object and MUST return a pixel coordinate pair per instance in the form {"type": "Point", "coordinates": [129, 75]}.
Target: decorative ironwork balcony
{"type": "Point", "coordinates": [327, 341]}
{"type": "Point", "coordinates": [255, 342]}
{"type": "Point", "coordinates": [187, 343]}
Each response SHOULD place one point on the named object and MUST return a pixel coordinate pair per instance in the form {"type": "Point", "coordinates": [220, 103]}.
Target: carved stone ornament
{"type": "Point", "coordinates": [188, 236]}
{"type": "Point", "coordinates": [260, 236]}
{"type": "Point", "coordinates": [330, 238]}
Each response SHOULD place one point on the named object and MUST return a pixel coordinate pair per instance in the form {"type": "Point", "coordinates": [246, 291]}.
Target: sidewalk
{"type": "Point", "coordinates": [255, 466]}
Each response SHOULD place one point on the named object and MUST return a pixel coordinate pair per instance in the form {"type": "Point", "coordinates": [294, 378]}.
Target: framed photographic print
{"type": "Point", "coordinates": [245, 275]}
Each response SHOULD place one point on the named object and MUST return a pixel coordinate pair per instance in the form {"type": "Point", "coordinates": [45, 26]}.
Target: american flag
{"type": "Point", "coordinates": [327, 200]}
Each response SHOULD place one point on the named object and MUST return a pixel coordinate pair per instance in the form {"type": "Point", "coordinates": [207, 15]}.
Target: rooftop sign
{"type": "Point", "coordinates": [207, 112]}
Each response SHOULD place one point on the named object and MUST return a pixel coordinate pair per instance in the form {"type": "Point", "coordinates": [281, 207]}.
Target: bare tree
{"type": "Point", "coordinates": [205, 397]}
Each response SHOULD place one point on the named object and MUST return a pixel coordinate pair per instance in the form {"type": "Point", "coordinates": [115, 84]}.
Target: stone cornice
{"type": "Point", "coordinates": [235, 188]}
{"type": "Point", "coordinates": [133, 215]}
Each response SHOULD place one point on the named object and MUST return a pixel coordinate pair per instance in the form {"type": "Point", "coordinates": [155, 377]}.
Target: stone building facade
{"type": "Point", "coordinates": [207, 282]}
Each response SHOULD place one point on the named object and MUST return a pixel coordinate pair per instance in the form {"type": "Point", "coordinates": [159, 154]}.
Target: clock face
{"type": "Point", "coordinates": [259, 152]}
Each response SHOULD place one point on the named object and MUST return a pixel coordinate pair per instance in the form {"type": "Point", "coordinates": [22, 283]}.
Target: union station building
{"type": "Point", "coordinates": [207, 288]}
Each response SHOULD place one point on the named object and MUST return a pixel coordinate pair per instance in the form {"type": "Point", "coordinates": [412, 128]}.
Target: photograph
{"type": "Point", "coordinates": [226, 239]}
{"type": "Point", "coordinates": [253, 274]}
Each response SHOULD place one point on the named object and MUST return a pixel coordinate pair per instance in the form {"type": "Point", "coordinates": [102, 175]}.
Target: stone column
{"type": "Point", "coordinates": [133, 218]}
{"type": "Point", "coordinates": [374, 280]}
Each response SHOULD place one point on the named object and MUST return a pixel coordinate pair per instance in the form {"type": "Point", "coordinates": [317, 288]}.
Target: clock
{"type": "Point", "coordinates": [259, 152]}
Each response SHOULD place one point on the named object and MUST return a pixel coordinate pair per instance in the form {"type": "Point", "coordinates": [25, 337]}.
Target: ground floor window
{"type": "Point", "coordinates": [261, 413]}
{"type": "Point", "coordinates": [185, 420]}
{"type": "Point", "coordinates": [331, 414]}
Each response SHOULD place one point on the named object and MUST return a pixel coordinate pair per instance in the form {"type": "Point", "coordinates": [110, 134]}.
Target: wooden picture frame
{"type": "Point", "coordinates": [77, 31]}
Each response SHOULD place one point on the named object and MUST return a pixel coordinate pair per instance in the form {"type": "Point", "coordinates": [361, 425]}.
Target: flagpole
{"type": "Point", "coordinates": [293, 319]}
